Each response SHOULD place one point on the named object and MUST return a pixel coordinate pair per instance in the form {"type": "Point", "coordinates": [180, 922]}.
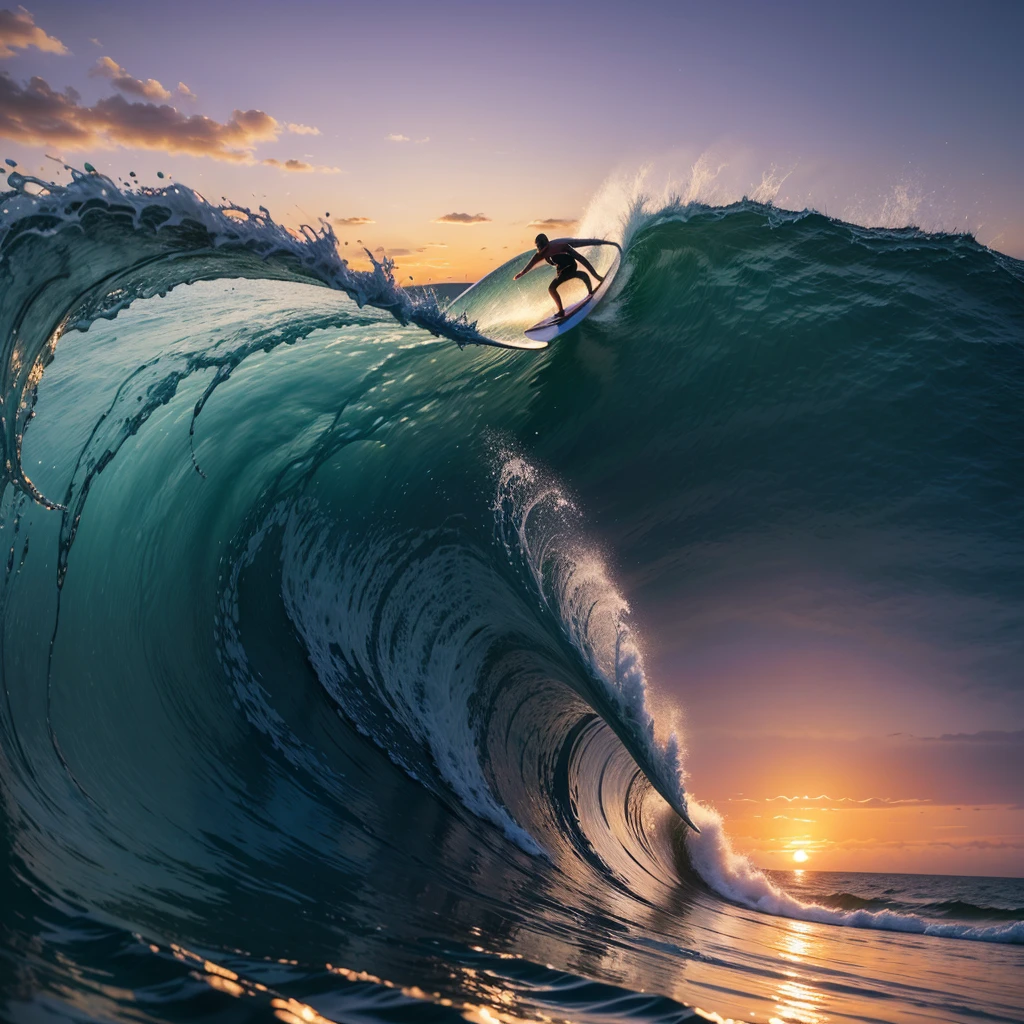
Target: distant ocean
{"type": "Point", "coordinates": [320, 698]}
{"type": "Point", "coordinates": [940, 898]}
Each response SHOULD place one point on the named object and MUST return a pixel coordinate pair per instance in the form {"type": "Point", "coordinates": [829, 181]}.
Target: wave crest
{"type": "Point", "coordinates": [73, 254]}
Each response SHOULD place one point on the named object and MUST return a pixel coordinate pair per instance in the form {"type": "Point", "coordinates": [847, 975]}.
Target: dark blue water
{"type": "Point", "coordinates": [948, 897]}
{"type": "Point", "coordinates": [322, 699]}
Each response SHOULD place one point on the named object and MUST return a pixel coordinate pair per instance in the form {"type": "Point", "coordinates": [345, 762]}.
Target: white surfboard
{"type": "Point", "coordinates": [527, 344]}
{"type": "Point", "coordinates": [551, 327]}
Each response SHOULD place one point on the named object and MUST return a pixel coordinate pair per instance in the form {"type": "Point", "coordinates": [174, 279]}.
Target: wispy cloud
{"type": "Point", "coordinates": [185, 92]}
{"type": "Point", "coordinates": [353, 221]}
{"type": "Point", "coordinates": [300, 166]}
{"type": "Point", "coordinates": [398, 137]}
{"type": "Point", "coordinates": [824, 802]}
{"type": "Point", "coordinates": [150, 88]}
{"type": "Point", "coordinates": [848, 802]}
{"type": "Point", "coordinates": [302, 129]}
{"type": "Point", "coordinates": [463, 218]}
{"type": "Point", "coordinates": [394, 253]}
{"type": "Point", "coordinates": [554, 222]}
{"type": "Point", "coordinates": [18, 31]}
{"type": "Point", "coordinates": [985, 736]}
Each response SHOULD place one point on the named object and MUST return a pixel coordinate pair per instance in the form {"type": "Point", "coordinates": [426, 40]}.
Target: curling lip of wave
{"type": "Point", "coordinates": [575, 587]}
{"type": "Point", "coordinates": [142, 243]}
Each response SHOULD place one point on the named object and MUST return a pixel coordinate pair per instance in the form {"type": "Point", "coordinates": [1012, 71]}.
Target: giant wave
{"type": "Point", "coordinates": [314, 648]}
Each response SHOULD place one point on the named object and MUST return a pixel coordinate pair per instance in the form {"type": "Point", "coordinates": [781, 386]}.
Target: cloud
{"type": "Point", "coordinates": [404, 252]}
{"type": "Point", "coordinates": [977, 843]}
{"type": "Point", "coordinates": [18, 31]}
{"type": "Point", "coordinates": [302, 129]}
{"type": "Point", "coordinates": [463, 218]}
{"type": "Point", "coordinates": [554, 222]}
{"type": "Point", "coordinates": [353, 221]}
{"type": "Point", "coordinates": [397, 138]}
{"type": "Point", "coordinates": [300, 166]}
{"type": "Point", "coordinates": [149, 89]}
{"type": "Point", "coordinates": [185, 92]}
{"type": "Point", "coordinates": [985, 843]}
{"type": "Point", "coordinates": [35, 114]}
{"type": "Point", "coordinates": [848, 802]}
{"type": "Point", "coordinates": [985, 736]}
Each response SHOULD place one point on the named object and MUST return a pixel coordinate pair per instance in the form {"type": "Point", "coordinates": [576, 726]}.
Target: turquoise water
{"type": "Point", "coordinates": [321, 694]}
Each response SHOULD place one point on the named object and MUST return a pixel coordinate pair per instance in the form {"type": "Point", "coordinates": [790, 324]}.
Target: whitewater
{"type": "Point", "coordinates": [322, 697]}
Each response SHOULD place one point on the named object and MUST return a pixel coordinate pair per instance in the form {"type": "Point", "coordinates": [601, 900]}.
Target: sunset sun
{"type": "Point", "coordinates": [800, 856]}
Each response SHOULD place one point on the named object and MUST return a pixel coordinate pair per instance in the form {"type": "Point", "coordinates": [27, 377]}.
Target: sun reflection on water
{"type": "Point", "coordinates": [795, 1000]}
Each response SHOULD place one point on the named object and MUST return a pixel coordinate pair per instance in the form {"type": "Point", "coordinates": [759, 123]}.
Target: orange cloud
{"type": "Point", "coordinates": [394, 253]}
{"type": "Point", "coordinates": [352, 221]}
{"type": "Point", "coordinates": [849, 802]}
{"type": "Point", "coordinates": [463, 218]}
{"type": "Point", "coordinates": [553, 222]}
{"type": "Point", "coordinates": [303, 129]}
{"type": "Point", "coordinates": [300, 166]}
{"type": "Point", "coordinates": [18, 31]}
{"type": "Point", "coordinates": [35, 114]}
{"type": "Point", "coordinates": [149, 89]}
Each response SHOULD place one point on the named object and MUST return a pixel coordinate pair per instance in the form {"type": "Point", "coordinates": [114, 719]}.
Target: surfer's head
{"type": "Point", "coordinates": [540, 241]}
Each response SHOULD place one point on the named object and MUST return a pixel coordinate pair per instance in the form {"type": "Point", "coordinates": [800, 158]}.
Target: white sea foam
{"type": "Point", "coordinates": [733, 876]}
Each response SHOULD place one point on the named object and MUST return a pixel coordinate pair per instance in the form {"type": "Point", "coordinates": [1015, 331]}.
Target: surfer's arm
{"type": "Point", "coordinates": [529, 266]}
{"type": "Point", "coordinates": [591, 241]}
{"type": "Point", "coordinates": [583, 259]}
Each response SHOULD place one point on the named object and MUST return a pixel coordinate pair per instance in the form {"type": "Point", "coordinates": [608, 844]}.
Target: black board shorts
{"type": "Point", "coordinates": [566, 271]}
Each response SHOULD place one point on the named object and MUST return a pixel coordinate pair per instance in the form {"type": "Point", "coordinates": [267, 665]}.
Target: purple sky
{"type": "Point", "coordinates": [878, 112]}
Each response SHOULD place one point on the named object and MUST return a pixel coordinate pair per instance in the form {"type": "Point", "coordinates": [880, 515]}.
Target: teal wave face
{"type": "Point", "coordinates": [322, 659]}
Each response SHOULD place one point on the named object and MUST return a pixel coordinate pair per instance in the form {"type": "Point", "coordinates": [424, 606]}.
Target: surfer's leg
{"type": "Point", "coordinates": [553, 292]}
{"type": "Point", "coordinates": [585, 278]}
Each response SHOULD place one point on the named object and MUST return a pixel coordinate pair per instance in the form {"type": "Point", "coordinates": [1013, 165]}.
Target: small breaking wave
{"type": "Point", "coordinates": [733, 876]}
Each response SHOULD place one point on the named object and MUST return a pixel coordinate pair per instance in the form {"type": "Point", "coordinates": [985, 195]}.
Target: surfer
{"type": "Point", "coordinates": [563, 257]}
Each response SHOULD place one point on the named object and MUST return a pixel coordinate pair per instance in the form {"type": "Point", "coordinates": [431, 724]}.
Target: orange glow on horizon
{"type": "Point", "coordinates": [913, 837]}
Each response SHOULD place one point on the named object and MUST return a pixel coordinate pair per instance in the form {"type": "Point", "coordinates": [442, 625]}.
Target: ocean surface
{"type": "Point", "coordinates": [321, 697]}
